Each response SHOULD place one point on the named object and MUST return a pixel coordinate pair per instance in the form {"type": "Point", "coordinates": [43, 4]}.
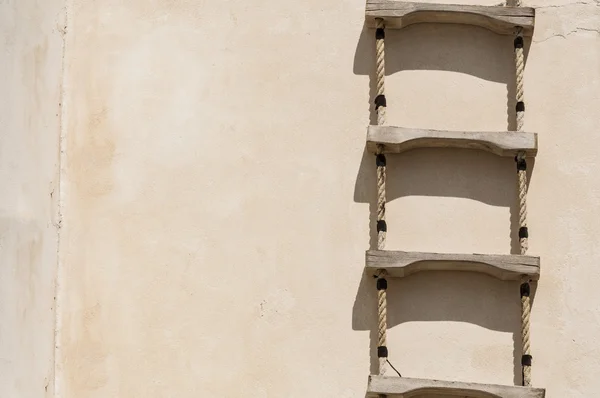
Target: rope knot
{"type": "Point", "coordinates": [518, 41]}
{"type": "Point", "coordinates": [382, 283]}
{"type": "Point", "coordinates": [521, 162]}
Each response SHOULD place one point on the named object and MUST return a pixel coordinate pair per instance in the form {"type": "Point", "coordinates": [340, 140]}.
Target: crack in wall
{"type": "Point", "coordinates": [63, 23]}
{"type": "Point", "coordinates": [555, 21]}
{"type": "Point", "coordinates": [577, 3]}
{"type": "Point", "coordinates": [564, 35]}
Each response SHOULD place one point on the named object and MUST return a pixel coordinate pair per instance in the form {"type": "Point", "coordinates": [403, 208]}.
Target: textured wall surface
{"type": "Point", "coordinates": [31, 48]}
{"type": "Point", "coordinates": [218, 198]}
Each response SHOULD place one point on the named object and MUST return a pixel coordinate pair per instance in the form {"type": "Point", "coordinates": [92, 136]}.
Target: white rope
{"type": "Point", "coordinates": [520, 71]}
{"type": "Point", "coordinates": [382, 323]}
{"type": "Point", "coordinates": [525, 323]}
{"type": "Point", "coordinates": [381, 179]}
{"type": "Point", "coordinates": [522, 187]}
{"type": "Point", "coordinates": [380, 71]}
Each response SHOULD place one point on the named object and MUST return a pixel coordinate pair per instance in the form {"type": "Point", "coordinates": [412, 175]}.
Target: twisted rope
{"type": "Point", "coordinates": [380, 70]}
{"type": "Point", "coordinates": [381, 178]}
{"type": "Point", "coordinates": [520, 71]}
{"type": "Point", "coordinates": [382, 323]}
{"type": "Point", "coordinates": [525, 321]}
{"type": "Point", "coordinates": [522, 186]}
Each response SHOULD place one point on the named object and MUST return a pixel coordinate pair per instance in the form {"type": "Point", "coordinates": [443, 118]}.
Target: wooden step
{"type": "Point", "coordinates": [400, 139]}
{"type": "Point", "coordinates": [406, 387]}
{"type": "Point", "coordinates": [399, 264]}
{"type": "Point", "coordinates": [398, 14]}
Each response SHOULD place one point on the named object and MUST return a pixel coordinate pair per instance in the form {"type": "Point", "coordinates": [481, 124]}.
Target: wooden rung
{"type": "Point", "coordinates": [406, 387]}
{"type": "Point", "coordinates": [398, 14]}
{"type": "Point", "coordinates": [400, 139]}
{"type": "Point", "coordinates": [505, 267]}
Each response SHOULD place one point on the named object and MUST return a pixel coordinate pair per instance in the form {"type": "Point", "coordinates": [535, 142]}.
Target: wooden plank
{"type": "Point", "coordinates": [407, 387]}
{"type": "Point", "coordinates": [505, 267]}
{"type": "Point", "coordinates": [398, 14]}
{"type": "Point", "coordinates": [400, 139]}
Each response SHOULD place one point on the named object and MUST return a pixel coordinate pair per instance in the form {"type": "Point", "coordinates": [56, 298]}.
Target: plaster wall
{"type": "Point", "coordinates": [218, 200]}
{"type": "Point", "coordinates": [31, 48]}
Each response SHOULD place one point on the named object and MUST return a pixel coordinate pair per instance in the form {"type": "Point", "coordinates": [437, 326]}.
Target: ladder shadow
{"type": "Point", "coordinates": [442, 47]}
{"type": "Point", "coordinates": [442, 296]}
{"type": "Point", "coordinates": [444, 172]}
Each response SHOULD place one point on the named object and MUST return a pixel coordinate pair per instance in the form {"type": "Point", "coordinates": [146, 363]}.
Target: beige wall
{"type": "Point", "coordinates": [217, 198]}
{"type": "Point", "coordinates": [31, 48]}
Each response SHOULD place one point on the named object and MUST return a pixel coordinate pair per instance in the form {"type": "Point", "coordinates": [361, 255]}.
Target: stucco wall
{"type": "Point", "coordinates": [217, 200]}
{"type": "Point", "coordinates": [31, 48]}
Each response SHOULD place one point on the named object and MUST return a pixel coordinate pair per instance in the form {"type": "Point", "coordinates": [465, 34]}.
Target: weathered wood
{"type": "Point", "coordinates": [400, 139]}
{"type": "Point", "coordinates": [505, 267]}
{"type": "Point", "coordinates": [399, 14]}
{"type": "Point", "coordinates": [405, 388]}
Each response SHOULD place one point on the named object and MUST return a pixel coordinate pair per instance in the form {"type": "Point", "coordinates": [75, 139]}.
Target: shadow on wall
{"type": "Point", "coordinates": [442, 296]}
